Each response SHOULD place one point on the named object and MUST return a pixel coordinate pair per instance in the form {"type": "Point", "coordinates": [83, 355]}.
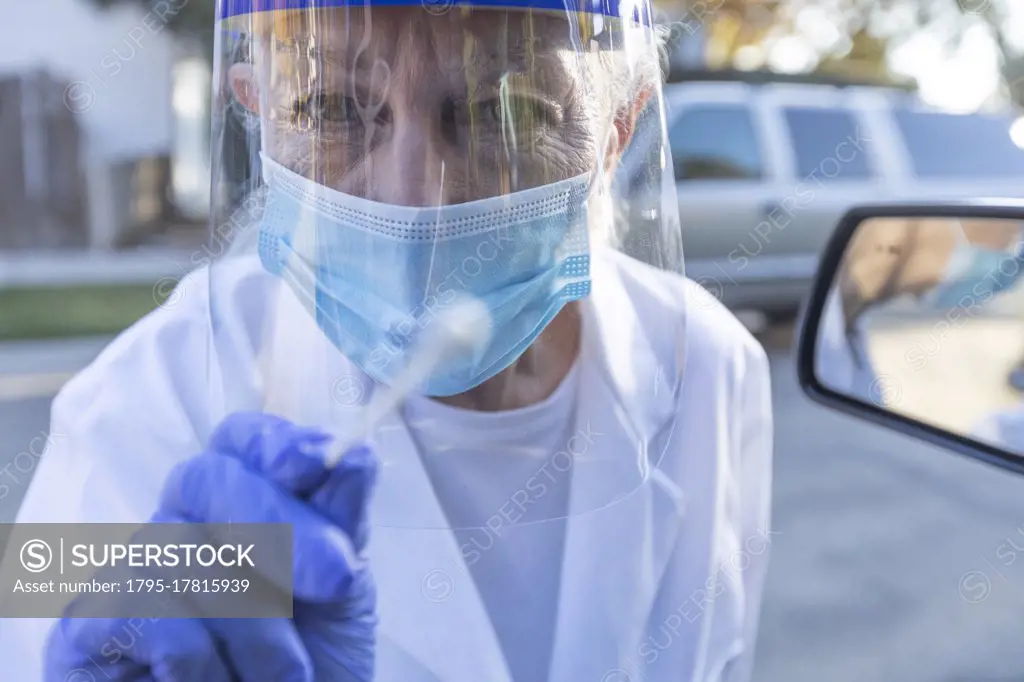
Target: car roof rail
{"type": "Point", "coordinates": [764, 77]}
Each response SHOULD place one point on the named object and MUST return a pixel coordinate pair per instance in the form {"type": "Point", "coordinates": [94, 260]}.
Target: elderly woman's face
{"type": "Point", "coordinates": [402, 106]}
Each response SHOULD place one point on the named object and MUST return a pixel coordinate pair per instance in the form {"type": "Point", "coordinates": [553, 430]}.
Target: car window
{"type": "Point", "coordinates": [949, 145]}
{"type": "Point", "coordinates": [716, 141]}
{"type": "Point", "coordinates": [826, 143]}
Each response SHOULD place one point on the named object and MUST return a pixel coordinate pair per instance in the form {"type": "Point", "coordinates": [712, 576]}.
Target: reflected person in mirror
{"type": "Point", "coordinates": [942, 264]}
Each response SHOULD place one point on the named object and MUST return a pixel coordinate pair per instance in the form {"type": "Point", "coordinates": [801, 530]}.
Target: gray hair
{"type": "Point", "coordinates": [630, 76]}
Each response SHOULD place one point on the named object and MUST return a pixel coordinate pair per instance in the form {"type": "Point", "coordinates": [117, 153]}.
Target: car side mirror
{"type": "Point", "coordinates": [916, 322]}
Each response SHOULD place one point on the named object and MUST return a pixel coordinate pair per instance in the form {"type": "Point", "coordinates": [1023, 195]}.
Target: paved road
{"type": "Point", "coordinates": [885, 544]}
{"type": "Point", "coordinates": [25, 406]}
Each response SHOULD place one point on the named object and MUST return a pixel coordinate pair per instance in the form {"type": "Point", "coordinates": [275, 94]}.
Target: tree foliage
{"type": "Point", "coordinates": [868, 28]}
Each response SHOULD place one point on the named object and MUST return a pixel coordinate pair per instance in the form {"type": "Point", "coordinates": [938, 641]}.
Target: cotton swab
{"type": "Point", "coordinates": [460, 326]}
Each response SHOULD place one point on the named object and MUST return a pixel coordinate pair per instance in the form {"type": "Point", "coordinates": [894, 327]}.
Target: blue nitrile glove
{"type": "Point", "coordinates": [256, 469]}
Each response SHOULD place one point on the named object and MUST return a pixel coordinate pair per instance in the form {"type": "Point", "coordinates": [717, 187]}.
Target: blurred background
{"type": "Point", "coordinates": [782, 113]}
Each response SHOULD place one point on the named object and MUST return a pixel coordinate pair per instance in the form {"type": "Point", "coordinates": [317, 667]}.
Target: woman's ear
{"type": "Point", "coordinates": [624, 127]}
{"type": "Point", "coordinates": [242, 78]}
{"type": "Point", "coordinates": [625, 122]}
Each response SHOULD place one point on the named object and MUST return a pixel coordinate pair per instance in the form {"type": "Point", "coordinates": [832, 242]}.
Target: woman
{"type": "Point", "coordinates": [946, 265]}
{"type": "Point", "coordinates": [576, 487]}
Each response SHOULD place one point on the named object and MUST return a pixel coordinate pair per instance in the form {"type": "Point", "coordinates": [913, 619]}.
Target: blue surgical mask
{"type": "Point", "coordinates": [974, 275]}
{"type": "Point", "coordinates": [375, 275]}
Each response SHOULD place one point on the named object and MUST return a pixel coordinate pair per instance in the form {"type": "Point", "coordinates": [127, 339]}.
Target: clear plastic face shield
{"type": "Point", "coordinates": [431, 204]}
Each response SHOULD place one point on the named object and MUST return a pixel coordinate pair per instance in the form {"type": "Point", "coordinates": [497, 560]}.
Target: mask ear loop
{"type": "Point", "coordinates": [599, 194]}
{"type": "Point", "coordinates": [258, 54]}
{"type": "Point", "coordinates": [606, 218]}
{"type": "Point", "coordinates": [601, 207]}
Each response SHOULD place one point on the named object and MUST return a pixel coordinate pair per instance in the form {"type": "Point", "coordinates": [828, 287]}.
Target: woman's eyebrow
{"type": "Point", "coordinates": [520, 57]}
{"type": "Point", "coordinates": [331, 53]}
{"type": "Point", "coordinates": [545, 71]}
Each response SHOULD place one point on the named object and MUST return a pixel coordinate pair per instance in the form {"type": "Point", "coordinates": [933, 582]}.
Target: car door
{"type": "Point", "coordinates": [724, 176]}
{"type": "Point", "coordinates": [895, 559]}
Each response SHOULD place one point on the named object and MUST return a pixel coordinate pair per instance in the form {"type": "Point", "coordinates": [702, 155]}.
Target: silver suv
{"type": "Point", "coordinates": [764, 168]}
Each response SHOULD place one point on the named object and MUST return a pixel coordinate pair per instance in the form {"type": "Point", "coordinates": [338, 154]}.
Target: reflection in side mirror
{"type": "Point", "coordinates": [924, 319]}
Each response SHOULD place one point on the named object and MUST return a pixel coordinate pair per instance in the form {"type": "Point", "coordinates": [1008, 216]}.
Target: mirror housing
{"type": "Point", "coordinates": [814, 311]}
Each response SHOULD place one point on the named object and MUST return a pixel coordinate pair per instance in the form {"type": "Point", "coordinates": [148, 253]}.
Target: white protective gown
{"type": "Point", "coordinates": [834, 361]}
{"type": "Point", "coordinates": [664, 586]}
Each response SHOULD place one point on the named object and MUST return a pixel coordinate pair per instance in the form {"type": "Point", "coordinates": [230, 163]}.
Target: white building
{"type": "Point", "coordinates": [120, 63]}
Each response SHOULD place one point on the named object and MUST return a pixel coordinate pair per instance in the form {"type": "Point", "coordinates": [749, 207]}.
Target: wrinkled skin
{"type": "Point", "coordinates": [425, 97]}
{"type": "Point", "coordinates": [402, 106]}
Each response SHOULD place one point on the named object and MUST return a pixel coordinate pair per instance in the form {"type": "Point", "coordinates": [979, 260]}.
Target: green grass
{"type": "Point", "coordinates": [60, 312]}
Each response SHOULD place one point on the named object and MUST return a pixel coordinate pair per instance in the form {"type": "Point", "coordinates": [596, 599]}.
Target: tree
{"type": "Point", "coordinates": [868, 29]}
{"type": "Point", "coordinates": [864, 60]}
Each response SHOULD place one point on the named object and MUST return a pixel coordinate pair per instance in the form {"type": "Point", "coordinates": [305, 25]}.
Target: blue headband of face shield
{"type": "Point", "coordinates": [375, 275]}
{"type": "Point", "coordinates": [635, 11]}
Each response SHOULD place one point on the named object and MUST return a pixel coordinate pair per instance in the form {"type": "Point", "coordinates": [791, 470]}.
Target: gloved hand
{"type": "Point", "coordinates": [256, 469]}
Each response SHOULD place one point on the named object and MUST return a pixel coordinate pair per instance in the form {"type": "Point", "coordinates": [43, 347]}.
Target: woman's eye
{"type": "Point", "coordinates": [520, 113]}
{"type": "Point", "coordinates": [323, 107]}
